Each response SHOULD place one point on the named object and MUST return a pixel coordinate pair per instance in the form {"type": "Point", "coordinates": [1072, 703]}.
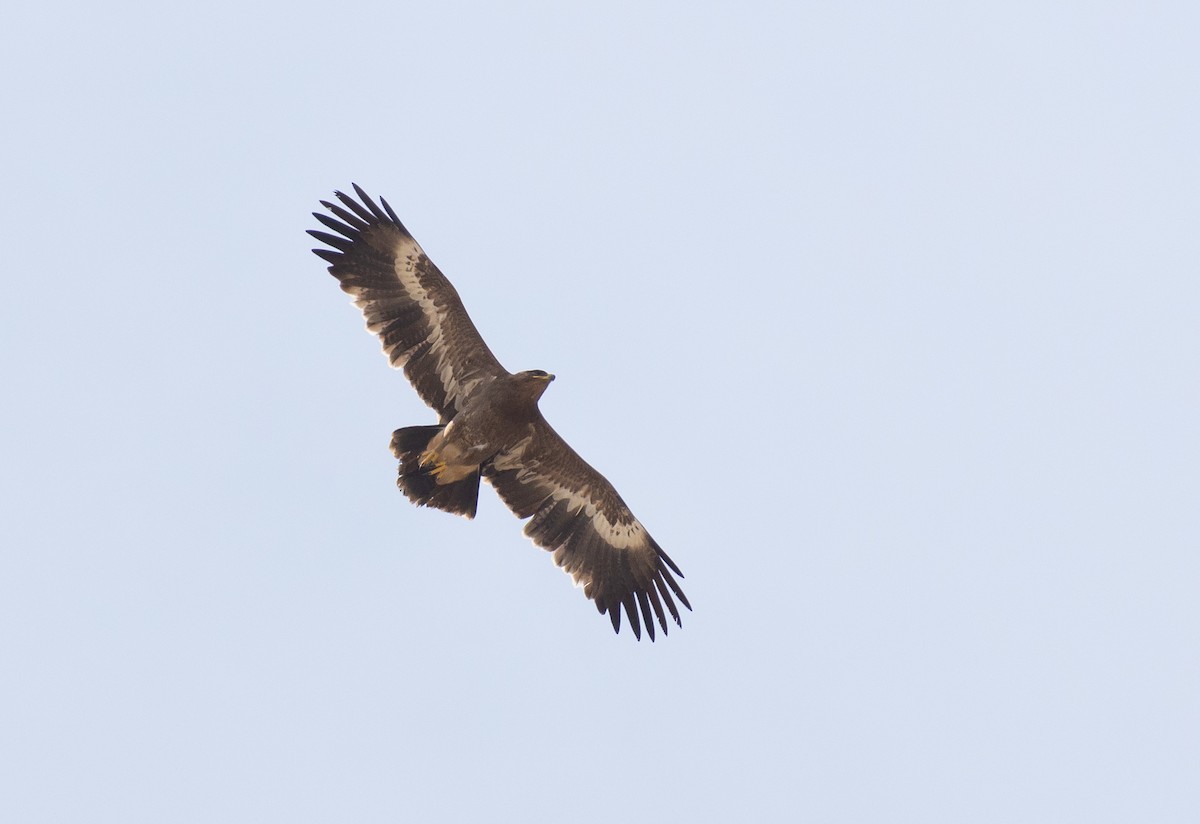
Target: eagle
{"type": "Point", "coordinates": [489, 425]}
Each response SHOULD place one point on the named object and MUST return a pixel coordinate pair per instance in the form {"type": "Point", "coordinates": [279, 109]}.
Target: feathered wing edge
{"type": "Point", "coordinates": [635, 576]}
{"type": "Point", "coordinates": [407, 302]}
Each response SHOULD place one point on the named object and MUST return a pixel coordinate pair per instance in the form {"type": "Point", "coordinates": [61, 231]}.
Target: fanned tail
{"type": "Point", "coordinates": [419, 482]}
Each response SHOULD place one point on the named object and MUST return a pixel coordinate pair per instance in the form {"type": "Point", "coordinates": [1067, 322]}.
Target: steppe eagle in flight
{"type": "Point", "coordinates": [490, 425]}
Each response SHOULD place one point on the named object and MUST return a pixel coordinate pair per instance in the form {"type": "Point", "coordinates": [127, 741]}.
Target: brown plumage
{"type": "Point", "coordinates": [490, 425]}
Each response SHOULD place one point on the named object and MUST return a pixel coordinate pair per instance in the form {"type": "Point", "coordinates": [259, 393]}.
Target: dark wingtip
{"type": "Point", "coordinates": [336, 241]}
{"type": "Point", "coordinates": [666, 558]}
{"type": "Point", "coordinates": [378, 213]}
{"type": "Point", "coordinates": [647, 617]}
{"type": "Point", "coordinates": [632, 613]}
{"type": "Point", "coordinates": [353, 205]}
{"type": "Point", "coordinates": [337, 226]}
{"type": "Point", "coordinates": [676, 589]}
{"type": "Point", "coordinates": [387, 208]}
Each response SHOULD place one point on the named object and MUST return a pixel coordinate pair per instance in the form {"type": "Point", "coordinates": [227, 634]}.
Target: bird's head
{"type": "Point", "coordinates": [536, 381]}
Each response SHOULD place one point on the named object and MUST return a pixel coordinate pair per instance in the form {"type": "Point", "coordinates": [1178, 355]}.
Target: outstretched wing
{"type": "Point", "coordinates": [577, 515]}
{"type": "Point", "coordinates": [406, 301]}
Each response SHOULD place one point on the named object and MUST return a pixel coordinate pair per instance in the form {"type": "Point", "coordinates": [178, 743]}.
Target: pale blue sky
{"type": "Point", "coordinates": [883, 318]}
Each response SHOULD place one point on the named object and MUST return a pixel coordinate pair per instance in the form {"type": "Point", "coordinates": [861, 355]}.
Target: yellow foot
{"type": "Point", "coordinates": [429, 459]}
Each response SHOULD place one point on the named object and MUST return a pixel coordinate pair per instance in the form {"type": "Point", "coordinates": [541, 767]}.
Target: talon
{"type": "Point", "coordinates": [429, 459]}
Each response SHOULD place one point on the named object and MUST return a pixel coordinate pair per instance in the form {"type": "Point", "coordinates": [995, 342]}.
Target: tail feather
{"type": "Point", "coordinates": [419, 483]}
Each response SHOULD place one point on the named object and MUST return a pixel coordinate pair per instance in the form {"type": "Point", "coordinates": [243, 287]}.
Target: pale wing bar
{"type": "Point", "coordinates": [406, 301]}
{"type": "Point", "coordinates": [576, 514]}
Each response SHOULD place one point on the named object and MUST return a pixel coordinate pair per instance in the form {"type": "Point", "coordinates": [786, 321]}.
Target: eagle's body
{"type": "Point", "coordinates": [498, 414]}
{"type": "Point", "coordinates": [490, 425]}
